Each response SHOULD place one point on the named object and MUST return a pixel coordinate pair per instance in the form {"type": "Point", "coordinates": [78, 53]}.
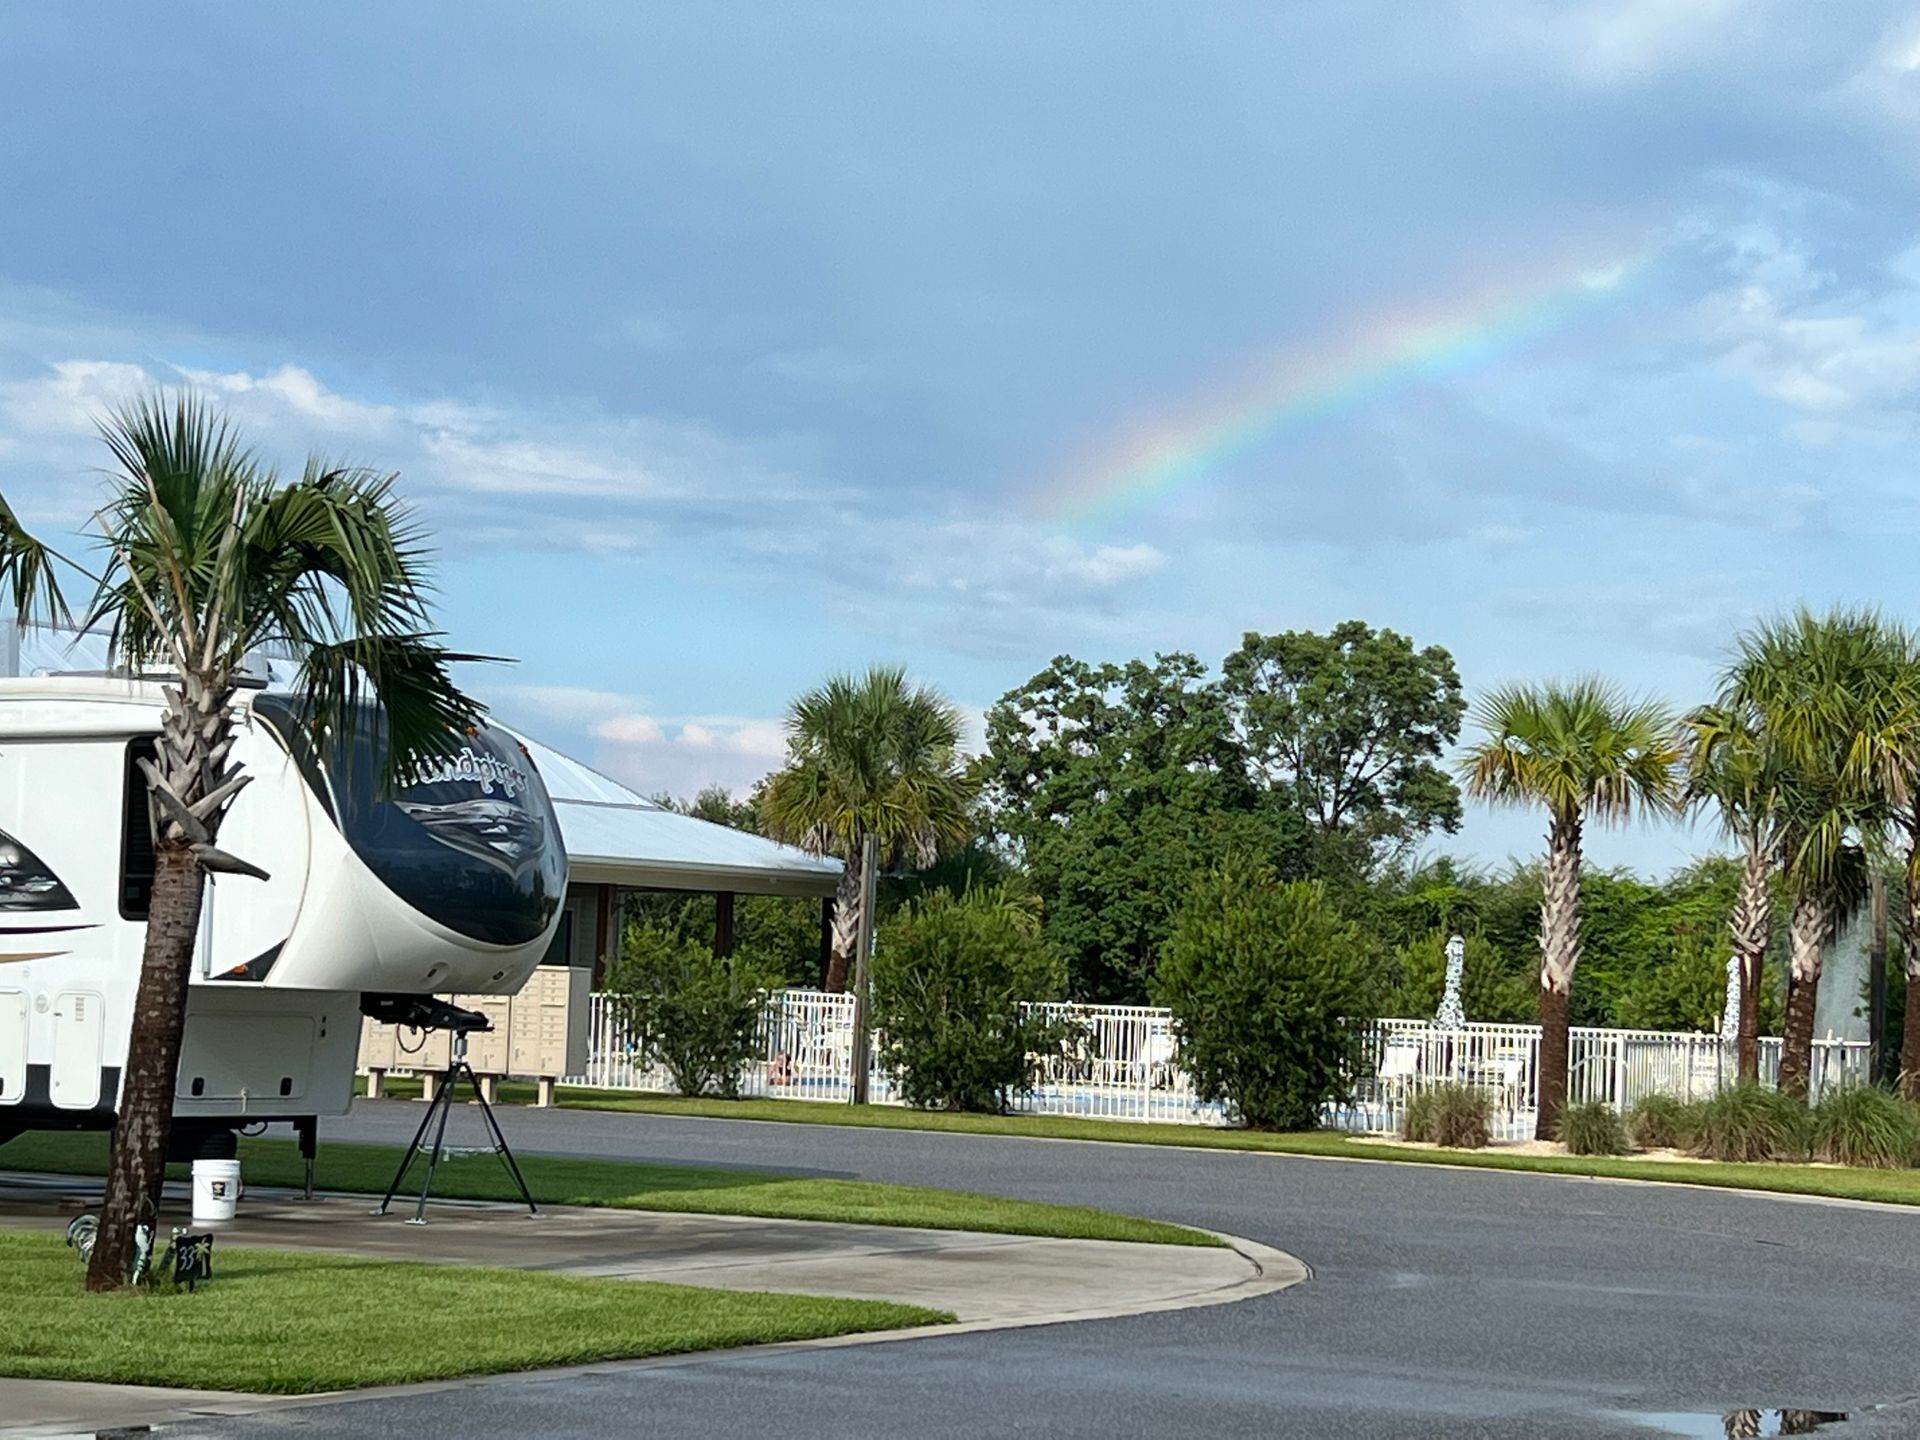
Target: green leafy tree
{"type": "Point", "coordinates": [949, 975]}
{"type": "Point", "coordinates": [1582, 750]}
{"type": "Point", "coordinates": [869, 756]}
{"type": "Point", "coordinates": [1351, 725]}
{"type": "Point", "coordinates": [1112, 786]}
{"type": "Point", "coordinates": [689, 1010]}
{"type": "Point", "coordinates": [207, 554]}
{"type": "Point", "coordinates": [1269, 989]}
{"type": "Point", "coordinates": [1825, 692]}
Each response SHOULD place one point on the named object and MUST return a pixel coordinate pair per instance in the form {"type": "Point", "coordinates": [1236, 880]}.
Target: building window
{"type": "Point", "coordinates": [136, 836]}
{"type": "Point", "coordinates": [560, 951]}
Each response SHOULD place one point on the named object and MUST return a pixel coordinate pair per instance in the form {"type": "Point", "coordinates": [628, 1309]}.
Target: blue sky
{"type": "Point", "coordinates": [726, 346]}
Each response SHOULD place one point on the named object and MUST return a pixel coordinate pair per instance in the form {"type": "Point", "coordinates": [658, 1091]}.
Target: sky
{"type": "Point", "coordinates": [724, 347]}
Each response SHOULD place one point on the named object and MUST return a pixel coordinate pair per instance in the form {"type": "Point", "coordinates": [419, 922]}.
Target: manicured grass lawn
{"type": "Point", "coordinates": [293, 1324]}
{"type": "Point", "coordinates": [566, 1181]}
{"type": "Point", "coordinates": [1900, 1187]}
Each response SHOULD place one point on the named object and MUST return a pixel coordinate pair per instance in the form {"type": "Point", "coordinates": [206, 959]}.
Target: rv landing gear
{"type": "Point", "coordinates": [436, 1117]}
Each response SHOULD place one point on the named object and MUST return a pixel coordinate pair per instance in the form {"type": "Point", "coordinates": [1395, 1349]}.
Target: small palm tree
{"type": "Point", "coordinates": [1582, 749]}
{"type": "Point", "coordinates": [1731, 768]}
{"type": "Point", "coordinates": [1825, 691]}
{"type": "Point", "coordinates": [207, 556]}
{"type": "Point", "coordinates": [872, 756]}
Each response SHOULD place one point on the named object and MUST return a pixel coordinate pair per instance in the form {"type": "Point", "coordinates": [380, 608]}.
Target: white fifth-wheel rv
{"type": "Point", "coordinates": [452, 881]}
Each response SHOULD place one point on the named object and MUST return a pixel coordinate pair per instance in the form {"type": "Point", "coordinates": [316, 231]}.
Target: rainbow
{"type": "Point", "coordinates": [1368, 364]}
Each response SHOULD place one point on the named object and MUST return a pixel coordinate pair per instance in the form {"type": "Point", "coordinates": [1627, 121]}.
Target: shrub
{"type": "Point", "coordinates": [1662, 1122]}
{"type": "Point", "coordinates": [1262, 979]}
{"type": "Point", "coordinates": [1863, 1125]}
{"type": "Point", "coordinates": [1450, 1114]}
{"type": "Point", "coordinates": [1750, 1122]}
{"type": "Point", "coordinates": [688, 1010]}
{"type": "Point", "coordinates": [949, 974]}
{"type": "Point", "coordinates": [1592, 1127]}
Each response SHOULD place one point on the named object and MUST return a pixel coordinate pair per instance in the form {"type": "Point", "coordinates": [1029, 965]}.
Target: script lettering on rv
{"type": "Point", "coordinates": [486, 771]}
{"type": "Point", "coordinates": [492, 826]}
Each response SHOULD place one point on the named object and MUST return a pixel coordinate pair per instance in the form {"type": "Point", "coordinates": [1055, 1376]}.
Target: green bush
{"type": "Point", "coordinates": [1863, 1125]}
{"type": "Point", "coordinates": [1263, 979]}
{"type": "Point", "coordinates": [1750, 1122]}
{"type": "Point", "coordinates": [689, 1011]}
{"type": "Point", "coordinates": [1662, 1122]}
{"type": "Point", "coordinates": [949, 974]}
{"type": "Point", "coordinates": [1593, 1127]}
{"type": "Point", "coordinates": [1450, 1114]}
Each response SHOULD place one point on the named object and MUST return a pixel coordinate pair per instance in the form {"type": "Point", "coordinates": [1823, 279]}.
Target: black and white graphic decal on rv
{"type": "Point", "coordinates": [26, 883]}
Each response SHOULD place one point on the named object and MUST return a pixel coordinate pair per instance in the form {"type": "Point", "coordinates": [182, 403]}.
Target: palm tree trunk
{"type": "Point", "coordinates": [1559, 954]}
{"type": "Point", "coordinates": [1910, 942]}
{"type": "Point", "coordinates": [136, 1164]}
{"type": "Point", "coordinates": [1809, 925]}
{"type": "Point", "coordinates": [1751, 920]}
{"type": "Point", "coordinates": [846, 926]}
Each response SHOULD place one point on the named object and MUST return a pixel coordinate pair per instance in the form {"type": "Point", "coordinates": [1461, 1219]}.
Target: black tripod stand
{"type": "Point", "coordinates": [436, 1117]}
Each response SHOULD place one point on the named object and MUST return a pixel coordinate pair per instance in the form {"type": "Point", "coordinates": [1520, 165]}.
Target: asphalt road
{"type": "Point", "coordinates": [1443, 1303]}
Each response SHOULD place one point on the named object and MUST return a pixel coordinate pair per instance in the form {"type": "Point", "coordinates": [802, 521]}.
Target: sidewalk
{"type": "Point", "coordinates": [988, 1281]}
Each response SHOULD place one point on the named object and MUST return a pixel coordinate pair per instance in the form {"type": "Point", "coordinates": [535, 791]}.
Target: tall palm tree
{"type": "Point", "coordinates": [1731, 768]}
{"type": "Point", "coordinates": [207, 555]}
{"type": "Point", "coordinates": [1825, 691]}
{"type": "Point", "coordinates": [873, 755]}
{"type": "Point", "coordinates": [1889, 743]}
{"type": "Point", "coordinates": [1584, 750]}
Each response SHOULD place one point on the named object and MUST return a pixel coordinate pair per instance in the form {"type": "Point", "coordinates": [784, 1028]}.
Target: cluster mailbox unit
{"type": "Point", "coordinates": [540, 1032]}
{"type": "Point", "coordinates": [450, 880]}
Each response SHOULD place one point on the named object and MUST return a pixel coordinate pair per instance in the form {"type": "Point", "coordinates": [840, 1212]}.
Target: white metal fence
{"type": "Point", "coordinates": [1126, 1067]}
{"type": "Point", "coordinates": [1618, 1066]}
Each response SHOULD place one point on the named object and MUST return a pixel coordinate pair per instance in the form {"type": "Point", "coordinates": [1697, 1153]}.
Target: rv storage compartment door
{"type": "Point", "coordinates": [77, 1029]}
{"type": "Point", "coordinates": [13, 1046]}
{"type": "Point", "coordinates": [259, 1061]}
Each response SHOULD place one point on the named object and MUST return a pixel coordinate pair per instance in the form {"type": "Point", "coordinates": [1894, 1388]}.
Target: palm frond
{"type": "Point", "coordinates": [405, 680]}
{"type": "Point", "coordinates": [28, 585]}
{"type": "Point", "coordinates": [1578, 747]}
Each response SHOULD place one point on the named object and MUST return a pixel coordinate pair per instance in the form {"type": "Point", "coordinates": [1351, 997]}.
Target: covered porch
{"type": "Point", "coordinates": [619, 842]}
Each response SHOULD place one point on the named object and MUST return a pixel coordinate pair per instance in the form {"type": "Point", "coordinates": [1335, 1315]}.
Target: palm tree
{"type": "Point", "coordinates": [872, 756]}
{"type": "Point", "coordinates": [1896, 736]}
{"type": "Point", "coordinates": [1825, 692]}
{"type": "Point", "coordinates": [1582, 749]}
{"type": "Point", "coordinates": [207, 555]}
{"type": "Point", "coordinates": [1731, 768]}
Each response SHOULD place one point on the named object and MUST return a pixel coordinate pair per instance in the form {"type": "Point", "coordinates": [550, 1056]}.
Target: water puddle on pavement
{"type": "Point", "coordinates": [1738, 1424]}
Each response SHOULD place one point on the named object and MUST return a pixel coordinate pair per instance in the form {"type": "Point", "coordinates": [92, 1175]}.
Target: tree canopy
{"type": "Point", "coordinates": [1351, 725]}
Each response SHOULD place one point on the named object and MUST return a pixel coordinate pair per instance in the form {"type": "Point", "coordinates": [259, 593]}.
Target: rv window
{"type": "Point", "coordinates": [136, 837]}
{"type": "Point", "coordinates": [26, 883]}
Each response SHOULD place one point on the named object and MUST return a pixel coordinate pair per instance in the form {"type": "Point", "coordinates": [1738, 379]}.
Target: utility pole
{"type": "Point", "coordinates": [1877, 975]}
{"type": "Point", "coordinates": [863, 969]}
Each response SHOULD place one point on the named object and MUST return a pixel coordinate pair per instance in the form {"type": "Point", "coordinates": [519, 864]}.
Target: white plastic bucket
{"type": "Point", "coordinates": [216, 1189]}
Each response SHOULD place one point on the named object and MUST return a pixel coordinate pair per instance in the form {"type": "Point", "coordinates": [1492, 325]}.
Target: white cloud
{"type": "Point", "coordinates": [1103, 565]}
{"type": "Point", "coordinates": [567, 704]}
{"type": "Point", "coordinates": [680, 757]}
{"type": "Point", "coordinates": [68, 401]}
{"type": "Point", "coordinates": [1790, 330]}
{"type": "Point", "coordinates": [631, 730]}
